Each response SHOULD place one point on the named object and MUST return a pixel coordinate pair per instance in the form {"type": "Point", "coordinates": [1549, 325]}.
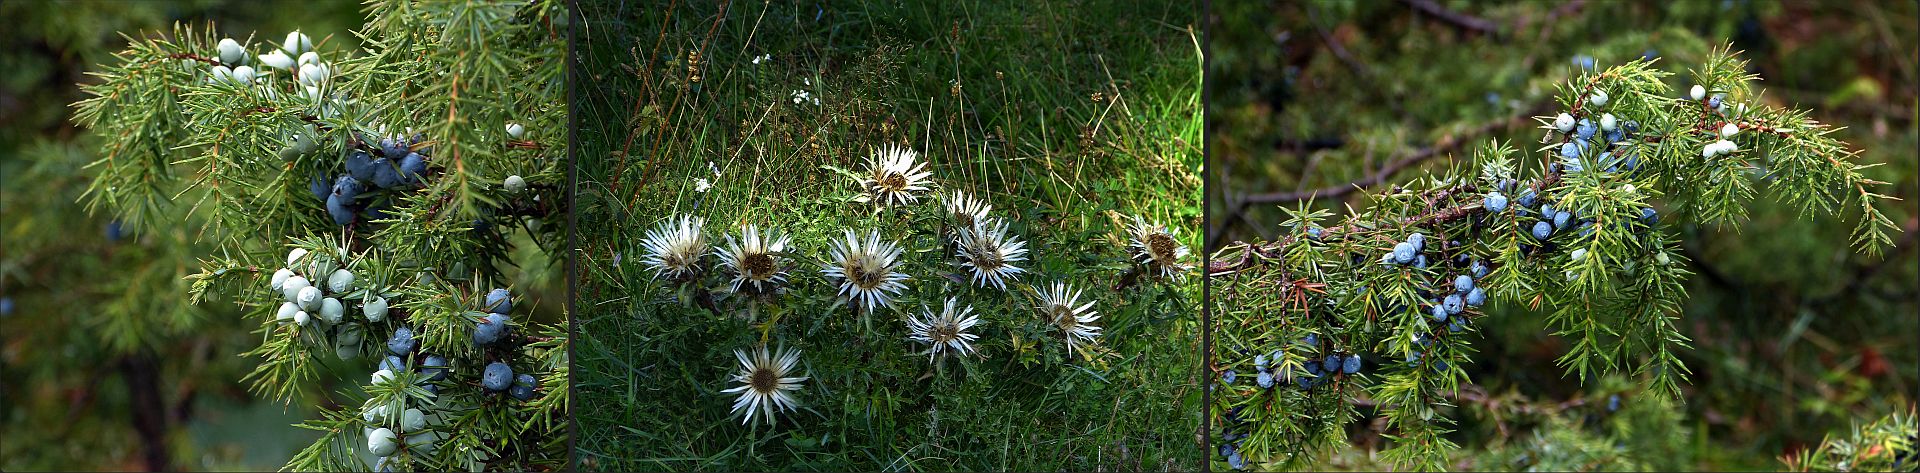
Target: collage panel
{"type": "Point", "coordinates": [1562, 236]}
{"type": "Point", "coordinates": [242, 236]}
{"type": "Point", "coordinates": [888, 236]}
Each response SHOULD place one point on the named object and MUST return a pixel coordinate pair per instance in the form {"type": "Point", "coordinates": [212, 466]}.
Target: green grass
{"type": "Point", "coordinates": [1070, 117]}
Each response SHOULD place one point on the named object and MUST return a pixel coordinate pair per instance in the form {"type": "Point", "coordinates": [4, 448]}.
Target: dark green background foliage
{"type": "Point", "coordinates": [1067, 116]}
{"type": "Point", "coordinates": [111, 364]}
{"type": "Point", "coordinates": [1795, 334]}
{"type": "Point", "coordinates": [107, 365]}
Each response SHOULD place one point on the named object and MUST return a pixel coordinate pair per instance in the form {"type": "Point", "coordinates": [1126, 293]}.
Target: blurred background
{"type": "Point", "coordinates": [103, 363]}
{"type": "Point", "coordinates": [1795, 334]}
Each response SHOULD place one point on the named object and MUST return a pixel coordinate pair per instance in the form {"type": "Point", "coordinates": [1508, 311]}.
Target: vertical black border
{"type": "Point", "coordinates": [569, 68]}
{"type": "Point", "coordinates": [1206, 256]}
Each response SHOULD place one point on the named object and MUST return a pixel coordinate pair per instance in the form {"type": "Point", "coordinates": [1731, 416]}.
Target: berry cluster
{"type": "Point", "coordinates": [307, 302]}
{"type": "Point", "coordinates": [401, 164]}
{"type": "Point", "coordinates": [236, 65]}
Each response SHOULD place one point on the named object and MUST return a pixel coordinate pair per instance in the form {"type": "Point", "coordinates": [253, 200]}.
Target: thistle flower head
{"type": "Point", "coordinates": [945, 332]}
{"type": "Point", "coordinates": [765, 385]}
{"type": "Point", "coordinates": [1058, 305]}
{"type": "Point", "coordinates": [756, 259]}
{"type": "Point", "coordinates": [963, 211]}
{"type": "Point", "coordinates": [674, 247]}
{"type": "Point", "coordinates": [1155, 246]}
{"type": "Point", "coordinates": [894, 177]}
{"type": "Point", "coordinates": [987, 251]}
{"type": "Point", "coordinates": [864, 270]}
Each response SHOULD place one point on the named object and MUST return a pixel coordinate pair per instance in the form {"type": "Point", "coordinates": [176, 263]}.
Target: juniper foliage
{"type": "Point", "coordinates": [249, 162]}
{"type": "Point", "coordinates": [1611, 278]}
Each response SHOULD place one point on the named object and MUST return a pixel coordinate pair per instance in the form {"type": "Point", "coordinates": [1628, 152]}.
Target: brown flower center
{"type": "Point", "coordinates": [944, 332]}
{"type": "Point", "coordinates": [758, 266]}
{"type": "Point", "coordinates": [858, 273]}
{"type": "Point", "coordinates": [763, 380]}
{"type": "Point", "coordinates": [893, 182]}
{"type": "Point", "coordinates": [1161, 246]}
{"type": "Point", "coordinates": [1063, 316]}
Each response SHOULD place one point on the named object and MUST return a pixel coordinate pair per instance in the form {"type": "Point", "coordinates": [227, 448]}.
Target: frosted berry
{"type": "Point", "coordinates": [339, 208]}
{"type": "Point", "coordinates": [1479, 269]}
{"type": "Point", "coordinates": [402, 341]}
{"type": "Point", "coordinates": [516, 130]}
{"type": "Point", "coordinates": [376, 309]}
{"type": "Point", "coordinates": [301, 318]}
{"type": "Point", "coordinates": [1714, 102]}
{"type": "Point", "coordinates": [514, 184]}
{"type": "Point", "coordinates": [385, 175]}
{"type": "Point", "coordinates": [1419, 241]}
{"type": "Point", "coordinates": [1462, 283]}
{"type": "Point", "coordinates": [360, 165]}
{"type": "Point", "coordinates": [1579, 254]}
{"type": "Point", "coordinates": [243, 75]}
{"type": "Point", "coordinates": [1495, 202]}
{"type": "Point", "coordinates": [1569, 150]}
{"type": "Point", "coordinates": [1598, 99]}
{"type": "Point", "coordinates": [1331, 363]}
{"type": "Point", "coordinates": [1698, 92]}
{"type": "Point", "coordinates": [1585, 129]}
{"type": "Point", "coordinates": [1528, 198]}
{"type": "Point", "coordinates": [231, 52]}
{"type": "Point", "coordinates": [1351, 365]}
{"type": "Point", "coordinates": [340, 281]}
{"type": "Point", "coordinates": [308, 298]}
{"type": "Point", "coordinates": [1728, 130]}
{"type": "Point", "coordinates": [1564, 123]}
{"type": "Point", "coordinates": [1439, 313]}
{"type": "Point", "coordinates": [1229, 376]}
{"type": "Point", "coordinates": [499, 301]}
{"type": "Point", "coordinates": [1609, 123]}
{"type": "Point", "coordinates": [434, 367]}
{"type": "Point", "coordinates": [1561, 219]}
{"type": "Point", "coordinates": [1403, 252]}
{"type": "Point", "coordinates": [412, 168]}
{"type": "Point", "coordinates": [413, 420]}
{"type": "Point", "coordinates": [331, 311]}
{"type": "Point", "coordinates": [497, 377]}
{"type": "Point", "coordinates": [1542, 230]}
{"type": "Point", "coordinates": [1265, 379]}
{"type": "Point", "coordinates": [381, 442]}
{"type": "Point", "coordinates": [285, 314]}
{"type": "Point", "coordinates": [1476, 297]}
{"type": "Point", "coordinates": [490, 329]}
{"type": "Point", "coordinates": [1453, 304]}
{"type": "Point", "coordinates": [297, 43]}
{"type": "Point", "coordinates": [1649, 215]}
{"type": "Point", "coordinates": [392, 364]}
{"type": "Point", "coordinates": [394, 149]}
{"type": "Point", "coordinates": [280, 278]}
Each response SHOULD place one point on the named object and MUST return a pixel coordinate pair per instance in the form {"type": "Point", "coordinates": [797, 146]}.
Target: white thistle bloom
{"type": "Point", "coordinates": [674, 247]}
{"type": "Point", "coordinates": [1075, 322]}
{"type": "Point", "coordinates": [1154, 246]}
{"type": "Point", "coordinates": [864, 270]}
{"type": "Point", "coordinates": [702, 185]}
{"type": "Point", "coordinates": [990, 253]}
{"type": "Point", "coordinates": [756, 259]}
{"type": "Point", "coordinates": [894, 176]}
{"type": "Point", "coordinates": [946, 332]}
{"type": "Point", "coordinates": [765, 385]}
{"type": "Point", "coordinates": [964, 212]}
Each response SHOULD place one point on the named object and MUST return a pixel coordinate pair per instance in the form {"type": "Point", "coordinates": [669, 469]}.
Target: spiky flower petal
{"type": "Point", "coordinates": [1155, 247]}
{"type": "Point", "coordinates": [1057, 304]}
{"type": "Point", "coordinates": [864, 270]}
{"type": "Point", "coordinates": [756, 259]}
{"type": "Point", "coordinates": [989, 253]}
{"type": "Point", "coordinates": [894, 177]}
{"type": "Point", "coordinates": [946, 332]}
{"type": "Point", "coordinates": [674, 247]}
{"type": "Point", "coordinates": [765, 387]}
{"type": "Point", "coordinates": [963, 211]}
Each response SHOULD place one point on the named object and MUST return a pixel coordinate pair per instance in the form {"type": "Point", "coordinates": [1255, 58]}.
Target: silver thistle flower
{"type": "Point", "coordinates": [1155, 246]}
{"type": "Point", "coordinates": [765, 387]}
{"type": "Point", "coordinates": [674, 247]}
{"type": "Point", "coordinates": [989, 253]}
{"type": "Point", "coordinates": [894, 176]}
{"type": "Point", "coordinates": [1057, 304]}
{"type": "Point", "coordinates": [864, 270]}
{"type": "Point", "coordinates": [756, 259]}
{"type": "Point", "coordinates": [946, 332]}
